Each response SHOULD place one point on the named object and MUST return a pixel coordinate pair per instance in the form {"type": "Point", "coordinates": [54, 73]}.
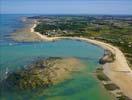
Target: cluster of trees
{"type": "Point", "coordinates": [70, 26]}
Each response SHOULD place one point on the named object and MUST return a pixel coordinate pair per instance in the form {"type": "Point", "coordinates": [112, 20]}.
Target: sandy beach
{"type": "Point", "coordinates": [118, 71]}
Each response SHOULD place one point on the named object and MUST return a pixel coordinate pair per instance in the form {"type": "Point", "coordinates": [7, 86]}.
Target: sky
{"type": "Point", "coordinates": [123, 7]}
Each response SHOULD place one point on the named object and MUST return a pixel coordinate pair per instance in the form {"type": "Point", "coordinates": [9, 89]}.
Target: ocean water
{"type": "Point", "coordinates": [13, 56]}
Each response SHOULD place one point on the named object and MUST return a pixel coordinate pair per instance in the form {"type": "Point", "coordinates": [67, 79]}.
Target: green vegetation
{"type": "Point", "coordinates": [61, 28]}
{"type": "Point", "coordinates": [116, 30]}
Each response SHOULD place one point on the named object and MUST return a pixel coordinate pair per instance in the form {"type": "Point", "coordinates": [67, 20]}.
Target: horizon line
{"type": "Point", "coordinates": [66, 14]}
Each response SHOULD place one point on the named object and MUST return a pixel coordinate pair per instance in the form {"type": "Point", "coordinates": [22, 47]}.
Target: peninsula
{"type": "Point", "coordinates": [77, 28]}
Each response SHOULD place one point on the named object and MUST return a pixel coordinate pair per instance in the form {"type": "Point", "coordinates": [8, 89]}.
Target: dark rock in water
{"type": "Point", "coordinates": [42, 73]}
{"type": "Point", "coordinates": [24, 80]}
{"type": "Point", "coordinates": [107, 58]}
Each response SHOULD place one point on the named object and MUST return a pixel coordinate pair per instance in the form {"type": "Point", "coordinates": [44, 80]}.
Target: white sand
{"type": "Point", "coordinates": [42, 36]}
{"type": "Point", "coordinates": [118, 71]}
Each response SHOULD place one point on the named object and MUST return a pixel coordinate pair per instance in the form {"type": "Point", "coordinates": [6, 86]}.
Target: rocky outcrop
{"type": "Point", "coordinates": [107, 57]}
{"type": "Point", "coordinates": [43, 73]}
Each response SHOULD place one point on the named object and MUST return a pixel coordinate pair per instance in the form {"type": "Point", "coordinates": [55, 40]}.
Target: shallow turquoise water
{"type": "Point", "coordinates": [81, 86]}
{"type": "Point", "coordinates": [64, 48]}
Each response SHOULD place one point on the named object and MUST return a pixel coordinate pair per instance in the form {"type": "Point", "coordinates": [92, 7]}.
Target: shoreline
{"type": "Point", "coordinates": [118, 71]}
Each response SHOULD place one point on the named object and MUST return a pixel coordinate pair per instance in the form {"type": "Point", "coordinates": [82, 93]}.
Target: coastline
{"type": "Point", "coordinates": [25, 34]}
{"type": "Point", "coordinates": [118, 71]}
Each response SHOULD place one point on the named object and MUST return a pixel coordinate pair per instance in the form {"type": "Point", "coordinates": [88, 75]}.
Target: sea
{"type": "Point", "coordinates": [16, 55]}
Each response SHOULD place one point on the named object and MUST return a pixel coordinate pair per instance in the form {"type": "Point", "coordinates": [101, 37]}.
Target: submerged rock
{"type": "Point", "coordinates": [43, 73]}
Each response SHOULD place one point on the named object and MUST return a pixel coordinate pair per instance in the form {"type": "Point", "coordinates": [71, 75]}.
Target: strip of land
{"type": "Point", "coordinates": [118, 70]}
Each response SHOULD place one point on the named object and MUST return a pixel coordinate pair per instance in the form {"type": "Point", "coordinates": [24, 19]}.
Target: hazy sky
{"type": "Point", "coordinates": [67, 6]}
